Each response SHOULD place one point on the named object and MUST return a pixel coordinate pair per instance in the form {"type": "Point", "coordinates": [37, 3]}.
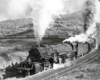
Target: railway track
{"type": "Point", "coordinates": [54, 74]}
{"type": "Point", "coordinates": [93, 58]}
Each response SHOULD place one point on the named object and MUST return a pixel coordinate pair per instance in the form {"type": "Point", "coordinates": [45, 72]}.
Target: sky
{"type": "Point", "coordinates": [13, 9]}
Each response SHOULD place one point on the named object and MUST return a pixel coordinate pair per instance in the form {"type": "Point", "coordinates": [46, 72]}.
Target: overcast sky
{"type": "Point", "coordinates": [13, 9]}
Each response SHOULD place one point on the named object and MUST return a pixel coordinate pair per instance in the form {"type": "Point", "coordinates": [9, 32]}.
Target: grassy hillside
{"type": "Point", "coordinates": [65, 26]}
{"type": "Point", "coordinates": [10, 27]}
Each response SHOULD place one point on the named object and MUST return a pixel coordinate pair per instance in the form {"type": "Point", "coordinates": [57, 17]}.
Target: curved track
{"type": "Point", "coordinates": [52, 74]}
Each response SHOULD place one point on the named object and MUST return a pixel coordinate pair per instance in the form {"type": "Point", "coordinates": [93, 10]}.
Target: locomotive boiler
{"type": "Point", "coordinates": [68, 47]}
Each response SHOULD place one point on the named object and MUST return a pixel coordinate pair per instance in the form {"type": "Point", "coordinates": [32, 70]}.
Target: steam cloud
{"type": "Point", "coordinates": [49, 9]}
{"type": "Point", "coordinates": [91, 17]}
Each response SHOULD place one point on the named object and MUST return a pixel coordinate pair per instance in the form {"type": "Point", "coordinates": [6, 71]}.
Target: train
{"type": "Point", "coordinates": [43, 57]}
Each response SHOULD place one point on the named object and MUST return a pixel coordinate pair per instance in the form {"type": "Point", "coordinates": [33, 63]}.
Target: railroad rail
{"type": "Point", "coordinates": [53, 74]}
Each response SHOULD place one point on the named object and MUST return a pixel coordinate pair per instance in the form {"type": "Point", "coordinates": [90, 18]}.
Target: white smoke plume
{"type": "Point", "coordinates": [92, 17]}
{"type": "Point", "coordinates": [48, 10]}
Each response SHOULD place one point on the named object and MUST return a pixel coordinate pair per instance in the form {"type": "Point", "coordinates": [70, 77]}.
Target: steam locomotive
{"type": "Point", "coordinates": [44, 56]}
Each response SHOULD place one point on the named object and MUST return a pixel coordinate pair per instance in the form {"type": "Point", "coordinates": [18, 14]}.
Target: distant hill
{"type": "Point", "coordinates": [11, 27]}
{"type": "Point", "coordinates": [71, 19]}
{"type": "Point", "coordinates": [71, 24]}
{"type": "Point", "coordinates": [15, 23]}
{"type": "Point", "coordinates": [76, 15]}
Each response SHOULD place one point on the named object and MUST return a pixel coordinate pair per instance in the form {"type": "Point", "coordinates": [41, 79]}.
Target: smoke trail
{"type": "Point", "coordinates": [91, 18]}
{"type": "Point", "coordinates": [49, 9]}
{"type": "Point", "coordinates": [97, 19]}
